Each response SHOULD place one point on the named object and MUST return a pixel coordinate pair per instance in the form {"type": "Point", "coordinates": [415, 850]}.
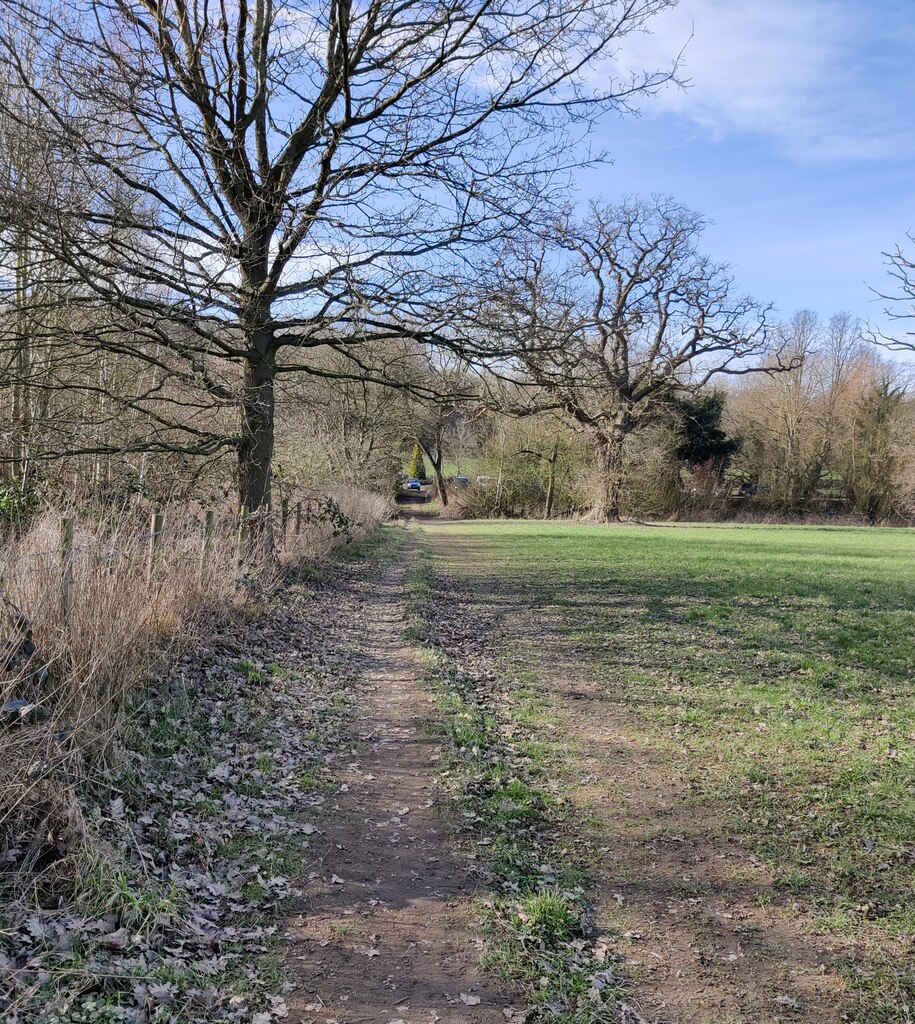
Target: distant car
{"type": "Point", "coordinates": [413, 484]}
{"type": "Point", "coordinates": [461, 481]}
{"type": "Point", "coordinates": [483, 480]}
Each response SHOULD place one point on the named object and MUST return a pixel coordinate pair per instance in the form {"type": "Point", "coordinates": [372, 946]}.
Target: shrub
{"type": "Point", "coordinates": [18, 503]}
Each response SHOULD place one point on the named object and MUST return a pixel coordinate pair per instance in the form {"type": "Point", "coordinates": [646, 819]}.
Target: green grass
{"type": "Point", "coordinates": [254, 672]}
{"type": "Point", "coordinates": [468, 467]}
{"type": "Point", "coordinates": [772, 667]}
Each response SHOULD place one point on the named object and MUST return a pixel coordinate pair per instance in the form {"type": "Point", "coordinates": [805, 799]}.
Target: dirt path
{"type": "Point", "coordinates": [700, 929]}
{"type": "Point", "coordinates": [386, 931]}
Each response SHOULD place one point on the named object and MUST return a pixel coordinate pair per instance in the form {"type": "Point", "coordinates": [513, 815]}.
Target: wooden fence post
{"type": "Point", "coordinates": [284, 516]}
{"type": "Point", "coordinates": [298, 519]}
{"type": "Point", "coordinates": [270, 548]}
{"type": "Point", "coordinates": [242, 534]}
{"type": "Point", "coordinates": [206, 545]}
{"type": "Point", "coordinates": [66, 574]}
{"type": "Point", "coordinates": [157, 528]}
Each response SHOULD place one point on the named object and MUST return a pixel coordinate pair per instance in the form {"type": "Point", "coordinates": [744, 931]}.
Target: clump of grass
{"type": "Point", "coordinates": [548, 917]}
{"type": "Point", "coordinates": [104, 887]}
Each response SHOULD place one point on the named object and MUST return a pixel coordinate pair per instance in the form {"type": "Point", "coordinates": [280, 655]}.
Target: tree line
{"type": "Point", "coordinates": [828, 436]}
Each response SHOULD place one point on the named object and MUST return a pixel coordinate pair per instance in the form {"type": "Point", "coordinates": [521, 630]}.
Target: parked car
{"type": "Point", "coordinates": [413, 484]}
{"type": "Point", "coordinates": [483, 480]}
{"type": "Point", "coordinates": [461, 481]}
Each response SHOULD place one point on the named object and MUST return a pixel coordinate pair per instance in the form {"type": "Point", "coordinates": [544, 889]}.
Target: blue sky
{"type": "Point", "coordinates": [796, 138]}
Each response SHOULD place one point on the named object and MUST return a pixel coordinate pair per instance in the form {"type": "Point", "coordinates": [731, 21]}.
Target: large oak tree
{"type": "Point", "coordinates": [620, 312]}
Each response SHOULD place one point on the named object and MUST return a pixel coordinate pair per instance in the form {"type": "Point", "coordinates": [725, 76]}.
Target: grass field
{"type": "Point", "coordinates": [775, 668]}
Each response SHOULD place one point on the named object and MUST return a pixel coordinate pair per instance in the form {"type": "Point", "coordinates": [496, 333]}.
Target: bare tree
{"type": "Point", "coordinates": [829, 429]}
{"type": "Point", "coordinates": [641, 314]}
{"type": "Point", "coordinates": [442, 417]}
{"type": "Point", "coordinates": [267, 175]}
{"type": "Point", "coordinates": [36, 169]}
{"type": "Point", "coordinates": [901, 299]}
{"type": "Point", "coordinates": [793, 422]}
{"type": "Point", "coordinates": [339, 427]}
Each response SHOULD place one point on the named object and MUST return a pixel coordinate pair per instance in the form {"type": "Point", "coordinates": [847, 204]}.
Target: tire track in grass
{"type": "Point", "coordinates": [505, 783]}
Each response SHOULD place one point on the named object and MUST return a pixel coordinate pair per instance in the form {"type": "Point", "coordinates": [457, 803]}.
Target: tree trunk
{"type": "Point", "coordinates": [551, 481]}
{"type": "Point", "coordinates": [21, 383]}
{"type": "Point", "coordinates": [440, 482]}
{"type": "Point", "coordinates": [436, 458]}
{"type": "Point", "coordinates": [255, 453]}
{"type": "Point", "coordinates": [607, 507]}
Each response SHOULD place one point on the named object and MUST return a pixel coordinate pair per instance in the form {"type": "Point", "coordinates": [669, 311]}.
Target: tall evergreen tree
{"type": "Point", "coordinates": [417, 467]}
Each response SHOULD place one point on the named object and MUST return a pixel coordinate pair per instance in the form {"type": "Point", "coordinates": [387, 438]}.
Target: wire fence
{"type": "Point", "coordinates": [63, 577]}
{"type": "Point", "coordinates": [265, 531]}
{"type": "Point", "coordinates": [97, 617]}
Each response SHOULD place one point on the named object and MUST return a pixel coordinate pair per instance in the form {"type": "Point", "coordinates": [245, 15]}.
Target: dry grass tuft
{"type": "Point", "coordinates": [333, 517]}
{"type": "Point", "coordinates": [65, 687]}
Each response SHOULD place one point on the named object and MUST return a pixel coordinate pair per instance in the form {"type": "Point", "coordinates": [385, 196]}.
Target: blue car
{"type": "Point", "coordinates": [413, 484]}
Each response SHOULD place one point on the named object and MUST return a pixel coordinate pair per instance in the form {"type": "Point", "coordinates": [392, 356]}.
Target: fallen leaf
{"type": "Point", "coordinates": [162, 995]}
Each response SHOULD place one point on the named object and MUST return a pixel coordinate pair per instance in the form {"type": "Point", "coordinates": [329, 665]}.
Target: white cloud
{"type": "Point", "coordinates": [825, 79]}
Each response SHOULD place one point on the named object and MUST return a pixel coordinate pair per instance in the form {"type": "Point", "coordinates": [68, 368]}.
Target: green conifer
{"type": "Point", "coordinates": [417, 467]}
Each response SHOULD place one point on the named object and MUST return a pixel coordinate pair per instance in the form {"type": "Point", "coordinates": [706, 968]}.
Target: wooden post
{"type": "Point", "coordinates": [66, 574]}
{"type": "Point", "coordinates": [242, 534]}
{"type": "Point", "coordinates": [298, 519]}
{"type": "Point", "coordinates": [156, 529]}
{"type": "Point", "coordinates": [271, 549]}
{"type": "Point", "coordinates": [206, 546]}
{"type": "Point", "coordinates": [284, 516]}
